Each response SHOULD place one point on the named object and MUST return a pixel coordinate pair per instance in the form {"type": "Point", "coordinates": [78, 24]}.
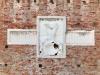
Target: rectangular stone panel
{"type": "Point", "coordinates": [51, 36]}
{"type": "Point", "coordinates": [80, 38]}
{"type": "Point", "coordinates": [21, 37]}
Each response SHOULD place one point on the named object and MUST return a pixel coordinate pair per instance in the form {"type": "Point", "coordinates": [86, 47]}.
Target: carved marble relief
{"type": "Point", "coordinates": [51, 36]}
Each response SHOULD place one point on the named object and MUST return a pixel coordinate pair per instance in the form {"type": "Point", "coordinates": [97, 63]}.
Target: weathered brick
{"type": "Point", "coordinates": [22, 60]}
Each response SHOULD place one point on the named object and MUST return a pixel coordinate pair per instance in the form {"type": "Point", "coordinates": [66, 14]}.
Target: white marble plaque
{"type": "Point", "coordinates": [21, 37]}
{"type": "Point", "coordinates": [51, 36]}
{"type": "Point", "coordinates": [80, 37]}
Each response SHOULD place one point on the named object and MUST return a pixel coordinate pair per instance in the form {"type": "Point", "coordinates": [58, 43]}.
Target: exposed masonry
{"type": "Point", "coordinates": [22, 60]}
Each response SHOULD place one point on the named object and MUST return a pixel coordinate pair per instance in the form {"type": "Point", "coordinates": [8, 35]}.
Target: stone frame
{"type": "Point", "coordinates": [41, 52]}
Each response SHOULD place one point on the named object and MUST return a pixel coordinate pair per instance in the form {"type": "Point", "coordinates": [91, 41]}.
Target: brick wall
{"type": "Point", "coordinates": [22, 60]}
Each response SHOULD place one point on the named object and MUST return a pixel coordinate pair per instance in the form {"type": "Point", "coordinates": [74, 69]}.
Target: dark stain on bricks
{"type": "Point", "coordinates": [6, 46]}
{"type": "Point", "coordinates": [40, 65]}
